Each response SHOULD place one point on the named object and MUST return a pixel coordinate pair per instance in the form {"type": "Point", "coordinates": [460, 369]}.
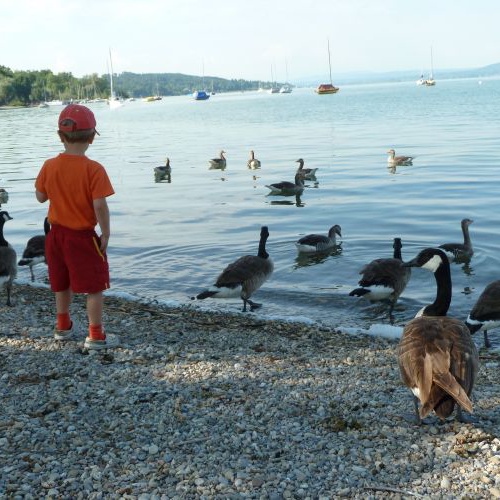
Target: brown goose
{"type": "Point", "coordinates": [437, 358]}
{"type": "Point", "coordinates": [34, 253]}
{"type": "Point", "coordinates": [8, 258]}
{"type": "Point", "coordinates": [394, 160]}
{"type": "Point", "coordinates": [384, 279]}
{"type": "Point", "coordinates": [253, 163]}
{"type": "Point", "coordinates": [460, 251]}
{"type": "Point", "coordinates": [218, 163]}
{"type": "Point", "coordinates": [306, 173]}
{"type": "Point", "coordinates": [244, 276]}
{"type": "Point", "coordinates": [485, 315]}
{"type": "Point", "coordinates": [163, 170]}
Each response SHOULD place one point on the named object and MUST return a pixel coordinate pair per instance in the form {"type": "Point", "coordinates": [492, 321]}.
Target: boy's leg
{"type": "Point", "coordinates": [95, 303]}
{"type": "Point", "coordinates": [64, 324]}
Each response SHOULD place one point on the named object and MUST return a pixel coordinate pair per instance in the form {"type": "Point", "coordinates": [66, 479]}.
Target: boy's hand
{"type": "Point", "coordinates": [104, 243]}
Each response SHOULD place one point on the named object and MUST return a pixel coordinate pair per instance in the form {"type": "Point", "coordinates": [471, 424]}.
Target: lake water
{"type": "Point", "coordinates": [171, 240]}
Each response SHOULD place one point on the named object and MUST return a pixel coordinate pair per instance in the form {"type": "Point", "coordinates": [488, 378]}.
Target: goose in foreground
{"type": "Point", "coordinates": [286, 187]}
{"type": "Point", "coordinates": [253, 163]}
{"type": "Point", "coordinates": [485, 314]}
{"type": "Point", "coordinates": [384, 279]}
{"type": "Point", "coordinates": [34, 253]}
{"type": "Point", "coordinates": [8, 258]}
{"type": "Point", "coordinates": [244, 276]}
{"type": "Point", "coordinates": [307, 173]}
{"type": "Point", "coordinates": [460, 251]}
{"type": "Point", "coordinates": [318, 242]}
{"type": "Point", "coordinates": [437, 357]}
{"type": "Point", "coordinates": [219, 163]}
{"type": "Point", "coordinates": [394, 160]}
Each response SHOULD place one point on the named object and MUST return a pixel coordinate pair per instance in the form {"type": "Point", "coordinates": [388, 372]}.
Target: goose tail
{"type": "Point", "coordinates": [359, 292]}
{"type": "Point", "coordinates": [449, 383]}
{"type": "Point", "coordinates": [204, 295]}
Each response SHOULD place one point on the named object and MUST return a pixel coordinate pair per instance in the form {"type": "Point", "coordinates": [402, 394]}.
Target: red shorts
{"type": "Point", "coordinates": [75, 261]}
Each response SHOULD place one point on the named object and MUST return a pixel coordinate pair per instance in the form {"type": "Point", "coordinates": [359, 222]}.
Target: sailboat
{"type": "Point", "coordinates": [327, 88]}
{"type": "Point", "coordinates": [274, 89]}
{"type": "Point", "coordinates": [286, 89]}
{"type": "Point", "coordinates": [430, 82]}
{"type": "Point", "coordinates": [113, 101]}
{"type": "Point", "coordinates": [201, 95]}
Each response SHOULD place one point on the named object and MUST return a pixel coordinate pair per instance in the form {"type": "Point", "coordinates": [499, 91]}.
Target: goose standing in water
{"type": "Point", "coordinates": [34, 253]}
{"type": "Point", "coordinates": [218, 163]}
{"type": "Point", "coordinates": [460, 251]}
{"type": "Point", "coordinates": [253, 163]}
{"type": "Point", "coordinates": [318, 242]}
{"type": "Point", "coordinates": [384, 279]}
{"type": "Point", "coordinates": [286, 187]}
{"type": "Point", "coordinates": [244, 276]}
{"type": "Point", "coordinates": [437, 357]}
{"type": "Point", "coordinates": [395, 161]}
{"type": "Point", "coordinates": [8, 259]}
{"type": "Point", "coordinates": [306, 173]}
{"type": "Point", "coordinates": [485, 315]}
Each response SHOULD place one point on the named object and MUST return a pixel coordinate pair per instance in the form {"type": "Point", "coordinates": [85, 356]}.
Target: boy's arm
{"type": "Point", "coordinates": [102, 213]}
{"type": "Point", "coordinates": [41, 197]}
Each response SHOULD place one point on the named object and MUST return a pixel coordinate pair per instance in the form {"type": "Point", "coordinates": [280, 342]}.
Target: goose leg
{"type": "Point", "coordinates": [487, 342]}
{"type": "Point", "coordinates": [465, 419]}
{"type": "Point", "coordinates": [32, 274]}
{"type": "Point", "coordinates": [253, 305]}
{"type": "Point", "coordinates": [9, 286]}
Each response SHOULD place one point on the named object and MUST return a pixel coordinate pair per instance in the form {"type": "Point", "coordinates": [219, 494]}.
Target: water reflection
{"type": "Point", "coordinates": [311, 259]}
{"type": "Point", "coordinates": [163, 177]}
{"type": "Point", "coordinates": [298, 201]}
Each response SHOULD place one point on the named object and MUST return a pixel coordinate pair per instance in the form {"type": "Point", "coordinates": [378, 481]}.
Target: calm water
{"type": "Point", "coordinates": [170, 240]}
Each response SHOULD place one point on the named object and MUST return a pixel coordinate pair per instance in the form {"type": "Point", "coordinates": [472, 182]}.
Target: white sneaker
{"type": "Point", "coordinates": [70, 334]}
{"type": "Point", "coordinates": [110, 342]}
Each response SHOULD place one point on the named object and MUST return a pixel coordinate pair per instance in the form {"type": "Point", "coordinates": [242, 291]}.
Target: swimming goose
{"type": "Point", "coordinates": [318, 242]}
{"type": "Point", "coordinates": [307, 173]}
{"type": "Point", "coordinates": [163, 170]}
{"type": "Point", "coordinates": [244, 276]}
{"type": "Point", "coordinates": [394, 160]}
{"type": "Point", "coordinates": [4, 196]}
{"type": "Point", "coordinates": [8, 259]}
{"type": "Point", "coordinates": [34, 253]}
{"type": "Point", "coordinates": [384, 279]}
{"type": "Point", "coordinates": [219, 163]}
{"type": "Point", "coordinates": [460, 251]}
{"type": "Point", "coordinates": [485, 315]}
{"type": "Point", "coordinates": [437, 358]}
{"type": "Point", "coordinates": [253, 163]}
{"type": "Point", "coordinates": [288, 188]}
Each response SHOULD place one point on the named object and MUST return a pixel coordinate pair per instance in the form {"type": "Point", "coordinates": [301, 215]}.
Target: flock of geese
{"type": "Point", "coordinates": [437, 357]}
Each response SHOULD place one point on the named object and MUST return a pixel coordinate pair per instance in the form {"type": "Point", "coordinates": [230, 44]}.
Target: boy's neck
{"type": "Point", "coordinates": [75, 148]}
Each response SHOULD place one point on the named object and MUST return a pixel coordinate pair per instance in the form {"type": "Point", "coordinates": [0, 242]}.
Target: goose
{"type": "Point", "coordinates": [4, 196]}
{"type": "Point", "coordinates": [253, 163]}
{"type": "Point", "coordinates": [460, 251]}
{"type": "Point", "coordinates": [218, 162]}
{"type": "Point", "coordinates": [307, 173]}
{"type": "Point", "coordinates": [384, 279]}
{"type": "Point", "coordinates": [394, 160]}
{"type": "Point", "coordinates": [318, 242]}
{"type": "Point", "coordinates": [34, 253]}
{"type": "Point", "coordinates": [485, 314]}
{"type": "Point", "coordinates": [288, 188]}
{"type": "Point", "coordinates": [243, 277]}
{"type": "Point", "coordinates": [437, 358]}
{"type": "Point", "coordinates": [8, 258]}
{"type": "Point", "coordinates": [163, 170]}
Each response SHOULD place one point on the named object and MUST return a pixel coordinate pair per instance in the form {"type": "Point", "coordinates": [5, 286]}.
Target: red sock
{"type": "Point", "coordinates": [64, 321]}
{"type": "Point", "coordinates": [96, 332]}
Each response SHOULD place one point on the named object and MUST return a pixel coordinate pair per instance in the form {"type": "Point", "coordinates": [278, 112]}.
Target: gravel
{"type": "Point", "coordinates": [196, 404]}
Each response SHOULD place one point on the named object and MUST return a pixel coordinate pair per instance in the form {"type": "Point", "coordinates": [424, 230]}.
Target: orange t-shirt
{"type": "Point", "coordinates": [71, 183]}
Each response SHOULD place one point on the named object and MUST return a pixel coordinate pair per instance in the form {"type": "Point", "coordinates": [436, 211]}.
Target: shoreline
{"type": "Point", "coordinates": [198, 404]}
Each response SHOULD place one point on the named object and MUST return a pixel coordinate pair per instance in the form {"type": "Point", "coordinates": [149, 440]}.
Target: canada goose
{"type": "Point", "coordinates": [485, 315]}
{"type": "Point", "coordinates": [437, 358]}
{"type": "Point", "coordinates": [163, 170]}
{"type": "Point", "coordinates": [288, 188]}
{"type": "Point", "coordinates": [34, 253]}
{"type": "Point", "coordinates": [318, 242]}
{"type": "Point", "coordinates": [307, 173]}
{"type": "Point", "coordinates": [219, 163]}
{"type": "Point", "coordinates": [253, 163]}
{"type": "Point", "coordinates": [4, 196]}
{"type": "Point", "coordinates": [244, 276]}
{"type": "Point", "coordinates": [8, 258]}
{"type": "Point", "coordinates": [384, 279]}
{"type": "Point", "coordinates": [394, 160]}
{"type": "Point", "coordinates": [460, 251]}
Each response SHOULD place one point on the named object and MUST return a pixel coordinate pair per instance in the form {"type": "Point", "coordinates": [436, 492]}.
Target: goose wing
{"type": "Point", "coordinates": [243, 269]}
{"type": "Point", "coordinates": [487, 306]}
{"type": "Point", "coordinates": [382, 272]}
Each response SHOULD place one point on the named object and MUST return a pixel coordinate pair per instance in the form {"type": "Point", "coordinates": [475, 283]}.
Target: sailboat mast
{"type": "Point", "coordinates": [111, 75]}
{"type": "Point", "coordinates": [329, 62]}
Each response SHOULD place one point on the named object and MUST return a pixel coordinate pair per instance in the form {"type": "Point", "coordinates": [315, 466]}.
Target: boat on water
{"type": "Point", "coordinates": [200, 95]}
{"type": "Point", "coordinates": [428, 82]}
{"type": "Point", "coordinates": [113, 101]}
{"type": "Point", "coordinates": [286, 89]}
{"type": "Point", "coordinates": [327, 88]}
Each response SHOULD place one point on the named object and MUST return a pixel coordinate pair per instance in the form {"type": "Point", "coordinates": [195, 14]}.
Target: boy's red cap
{"type": "Point", "coordinates": [81, 118]}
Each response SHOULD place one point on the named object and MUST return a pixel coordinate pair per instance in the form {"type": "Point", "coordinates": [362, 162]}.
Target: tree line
{"type": "Point", "coordinates": [30, 88]}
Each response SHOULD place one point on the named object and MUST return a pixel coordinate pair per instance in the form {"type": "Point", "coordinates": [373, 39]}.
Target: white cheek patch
{"type": "Point", "coordinates": [433, 264]}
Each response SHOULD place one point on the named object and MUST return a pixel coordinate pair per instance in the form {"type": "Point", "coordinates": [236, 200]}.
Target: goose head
{"type": "Point", "coordinates": [336, 229]}
{"type": "Point", "coordinates": [4, 216]}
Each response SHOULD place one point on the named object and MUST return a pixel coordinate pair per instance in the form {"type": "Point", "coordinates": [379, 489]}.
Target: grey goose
{"type": "Point", "coordinates": [8, 259]}
{"type": "Point", "coordinates": [306, 173]}
{"type": "Point", "coordinates": [34, 252]}
{"type": "Point", "coordinates": [394, 160]}
{"type": "Point", "coordinates": [286, 187]}
{"type": "Point", "coordinates": [313, 243]}
{"type": "Point", "coordinates": [460, 251]}
{"type": "Point", "coordinates": [218, 163]}
{"type": "Point", "coordinates": [253, 163]}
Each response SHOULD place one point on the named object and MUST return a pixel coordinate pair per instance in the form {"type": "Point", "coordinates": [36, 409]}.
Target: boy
{"type": "Point", "coordinates": [76, 188]}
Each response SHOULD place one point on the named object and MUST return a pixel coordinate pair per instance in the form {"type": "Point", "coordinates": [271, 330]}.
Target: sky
{"type": "Point", "coordinates": [249, 39]}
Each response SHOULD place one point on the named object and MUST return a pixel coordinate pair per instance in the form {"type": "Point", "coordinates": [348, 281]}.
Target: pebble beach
{"type": "Point", "coordinates": [195, 404]}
